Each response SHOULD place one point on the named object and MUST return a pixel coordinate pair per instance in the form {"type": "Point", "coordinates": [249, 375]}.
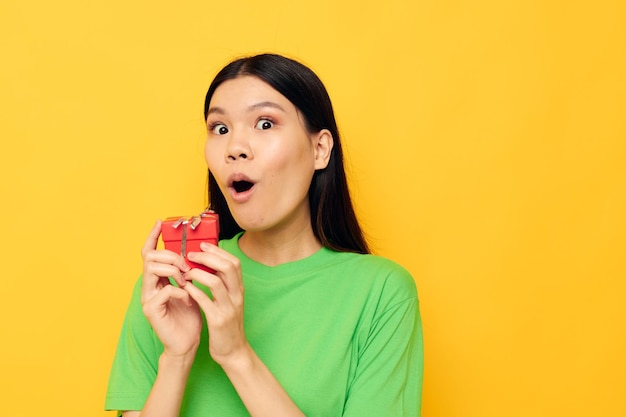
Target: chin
{"type": "Point", "coordinates": [250, 224]}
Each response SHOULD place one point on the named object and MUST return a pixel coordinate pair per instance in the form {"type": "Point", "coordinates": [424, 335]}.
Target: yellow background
{"type": "Point", "coordinates": [487, 148]}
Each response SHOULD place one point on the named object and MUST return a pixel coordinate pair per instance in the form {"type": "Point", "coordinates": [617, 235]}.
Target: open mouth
{"type": "Point", "coordinates": [242, 186]}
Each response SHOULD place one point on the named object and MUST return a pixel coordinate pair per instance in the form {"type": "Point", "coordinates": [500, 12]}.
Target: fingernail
{"type": "Point", "coordinates": [204, 246]}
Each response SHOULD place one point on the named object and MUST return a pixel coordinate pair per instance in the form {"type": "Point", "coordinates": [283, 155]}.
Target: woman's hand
{"type": "Point", "coordinates": [224, 311]}
{"type": "Point", "coordinates": [173, 314]}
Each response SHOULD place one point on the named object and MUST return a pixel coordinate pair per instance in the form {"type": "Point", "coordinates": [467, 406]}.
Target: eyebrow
{"type": "Point", "coordinates": [253, 107]}
{"type": "Point", "coordinates": [266, 104]}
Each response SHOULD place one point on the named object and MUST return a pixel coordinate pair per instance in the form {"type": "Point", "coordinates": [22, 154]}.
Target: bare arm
{"type": "Point", "coordinates": [167, 392]}
{"type": "Point", "coordinates": [258, 388]}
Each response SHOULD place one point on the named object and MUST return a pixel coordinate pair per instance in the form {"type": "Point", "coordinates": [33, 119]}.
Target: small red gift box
{"type": "Point", "coordinates": [183, 235]}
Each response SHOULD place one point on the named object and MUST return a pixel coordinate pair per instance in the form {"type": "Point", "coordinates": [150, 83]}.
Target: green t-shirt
{"type": "Point", "coordinates": [340, 331]}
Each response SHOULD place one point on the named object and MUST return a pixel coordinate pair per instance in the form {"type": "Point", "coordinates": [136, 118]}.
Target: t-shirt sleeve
{"type": "Point", "coordinates": [388, 380]}
{"type": "Point", "coordinates": [136, 360]}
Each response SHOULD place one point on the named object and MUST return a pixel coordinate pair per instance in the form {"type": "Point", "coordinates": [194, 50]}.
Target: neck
{"type": "Point", "coordinates": [273, 248]}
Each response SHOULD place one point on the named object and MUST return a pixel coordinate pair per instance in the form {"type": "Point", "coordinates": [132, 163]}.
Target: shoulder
{"type": "Point", "coordinates": [385, 275]}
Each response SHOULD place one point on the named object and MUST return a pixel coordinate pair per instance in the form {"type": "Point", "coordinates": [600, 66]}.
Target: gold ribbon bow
{"type": "Point", "coordinates": [192, 222]}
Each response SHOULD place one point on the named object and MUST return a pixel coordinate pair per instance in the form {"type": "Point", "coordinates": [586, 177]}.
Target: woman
{"type": "Point", "coordinates": [326, 330]}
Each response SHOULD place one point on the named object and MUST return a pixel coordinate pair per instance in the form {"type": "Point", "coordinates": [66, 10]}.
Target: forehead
{"type": "Point", "coordinates": [246, 91]}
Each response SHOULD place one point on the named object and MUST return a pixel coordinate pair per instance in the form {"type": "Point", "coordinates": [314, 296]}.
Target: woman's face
{"type": "Point", "coordinates": [262, 156]}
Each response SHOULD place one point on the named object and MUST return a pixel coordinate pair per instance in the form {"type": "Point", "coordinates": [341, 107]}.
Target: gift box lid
{"type": "Point", "coordinates": [204, 226]}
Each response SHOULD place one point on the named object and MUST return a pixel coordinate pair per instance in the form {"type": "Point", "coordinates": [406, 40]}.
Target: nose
{"type": "Point", "coordinates": [238, 147]}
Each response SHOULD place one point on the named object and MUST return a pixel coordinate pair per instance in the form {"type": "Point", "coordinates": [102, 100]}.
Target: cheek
{"type": "Point", "coordinates": [207, 150]}
{"type": "Point", "coordinates": [211, 153]}
{"type": "Point", "coordinates": [294, 172]}
{"type": "Point", "coordinates": [285, 164]}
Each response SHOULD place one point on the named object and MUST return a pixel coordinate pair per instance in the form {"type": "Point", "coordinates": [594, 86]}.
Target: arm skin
{"type": "Point", "coordinates": [168, 389]}
{"type": "Point", "coordinates": [259, 390]}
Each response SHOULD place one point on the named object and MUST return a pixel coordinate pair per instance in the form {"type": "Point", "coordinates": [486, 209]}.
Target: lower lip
{"type": "Point", "coordinates": [241, 197]}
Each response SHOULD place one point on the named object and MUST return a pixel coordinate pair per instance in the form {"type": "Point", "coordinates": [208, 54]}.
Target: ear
{"type": "Point", "coordinates": [322, 145]}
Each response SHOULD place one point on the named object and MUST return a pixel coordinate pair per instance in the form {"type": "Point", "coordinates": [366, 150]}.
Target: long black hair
{"type": "Point", "coordinates": [332, 215]}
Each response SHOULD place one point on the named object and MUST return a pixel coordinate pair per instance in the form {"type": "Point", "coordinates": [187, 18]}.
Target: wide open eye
{"type": "Point", "coordinates": [218, 129]}
{"type": "Point", "coordinates": [264, 124]}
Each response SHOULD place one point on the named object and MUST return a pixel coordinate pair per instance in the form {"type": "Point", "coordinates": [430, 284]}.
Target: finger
{"type": "Point", "coordinates": [153, 271]}
{"type": "Point", "coordinates": [149, 287]}
{"type": "Point", "coordinates": [165, 256]}
{"type": "Point", "coordinates": [149, 252]}
{"type": "Point", "coordinates": [226, 271]}
{"type": "Point", "coordinates": [207, 247]}
{"type": "Point", "coordinates": [205, 303]}
{"type": "Point", "coordinates": [225, 265]}
{"type": "Point", "coordinates": [153, 238]}
{"type": "Point", "coordinates": [220, 294]}
{"type": "Point", "coordinates": [156, 304]}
